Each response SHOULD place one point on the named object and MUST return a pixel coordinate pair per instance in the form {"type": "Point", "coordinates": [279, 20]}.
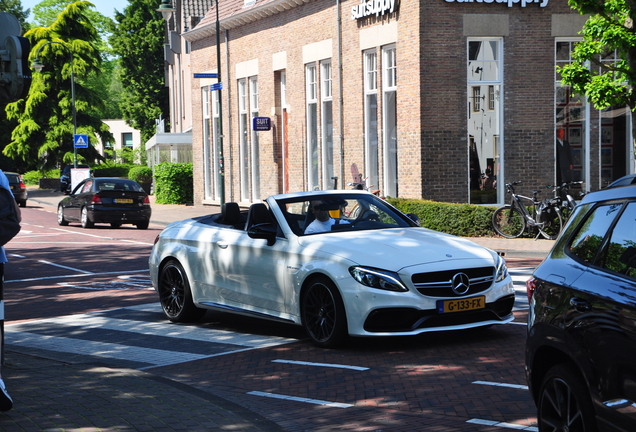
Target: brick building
{"type": "Point", "coordinates": [444, 100]}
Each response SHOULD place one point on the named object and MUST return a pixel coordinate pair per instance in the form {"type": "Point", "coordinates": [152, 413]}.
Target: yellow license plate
{"type": "Point", "coordinates": [461, 305]}
{"type": "Point", "coordinates": [123, 200]}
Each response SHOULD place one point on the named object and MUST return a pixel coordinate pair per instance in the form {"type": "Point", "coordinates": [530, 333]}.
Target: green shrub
{"type": "Point", "coordinates": [174, 183]}
{"type": "Point", "coordinates": [32, 178]}
{"type": "Point", "coordinates": [120, 170]}
{"type": "Point", "coordinates": [464, 220]}
{"type": "Point", "coordinates": [140, 174]}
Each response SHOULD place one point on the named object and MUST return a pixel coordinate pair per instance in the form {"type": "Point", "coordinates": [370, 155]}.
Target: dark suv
{"type": "Point", "coordinates": [65, 178]}
{"type": "Point", "coordinates": [581, 345]}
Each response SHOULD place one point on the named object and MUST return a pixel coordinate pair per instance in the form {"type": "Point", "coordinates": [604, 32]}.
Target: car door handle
{"type": "Point", "coordinates": [222, 245]}
{"type": "Point", "coordinates": [580, 305]}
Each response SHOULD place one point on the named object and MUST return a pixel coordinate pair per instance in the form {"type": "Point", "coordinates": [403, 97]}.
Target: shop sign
{"type": "Point", "coordinates": [261, 123]}
{"type": "Point", "coordinates": [510, 3]}
{"type": "Point", "coordinates": [372, 7]}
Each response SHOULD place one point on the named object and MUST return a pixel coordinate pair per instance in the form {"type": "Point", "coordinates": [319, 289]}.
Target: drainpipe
{"type": "Point", "coordinates": [340, 92]}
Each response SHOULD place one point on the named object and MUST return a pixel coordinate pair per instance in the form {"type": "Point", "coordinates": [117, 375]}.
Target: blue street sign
{"type": "Point", "coordinates": [261, 123]}
{"type": "Point", "coordinates": [81, 141]}
{"type": "Point", "coordinates": [217, 86]}
{"type": "Point", "coordinates": [206, 75]}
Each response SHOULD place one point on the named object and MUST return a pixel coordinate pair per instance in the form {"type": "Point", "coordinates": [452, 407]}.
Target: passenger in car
{"type": "Point", "coordinates": [323, 221]}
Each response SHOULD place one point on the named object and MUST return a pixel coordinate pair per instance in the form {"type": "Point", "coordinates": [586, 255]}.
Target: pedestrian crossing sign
{"type": "Point", "coordinates": [81, 141]}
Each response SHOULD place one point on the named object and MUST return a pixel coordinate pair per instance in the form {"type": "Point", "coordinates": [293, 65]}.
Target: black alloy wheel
{"type": "Point", "coordinates": [564, 403]}
{"type": "Point", "coordinates": [323, 313]}
{"type": "Point", "coordinates": [175, 294]}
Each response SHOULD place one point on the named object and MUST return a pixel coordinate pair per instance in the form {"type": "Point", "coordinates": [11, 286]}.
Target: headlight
{"type": "Point", "coordinates": [380, 279]}
{"type": "Point", "coordinates": [502, 269]}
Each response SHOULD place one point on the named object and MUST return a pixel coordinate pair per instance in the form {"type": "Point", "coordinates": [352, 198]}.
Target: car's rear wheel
{"type": "Point", "coordinates": [175, 294]}
{"type": "Point", "coordinates": [86, 221]}
{"type": "Point", "coordinates": [143, 225]}
{"type": "Point", "coordinates": [323, 313]}
{"type": "Point", "coordinates": [564, 402]}
{"type": "Point", "coordinates": [60, 216]}
{"type": "Point", "coordinates": [22, 203]}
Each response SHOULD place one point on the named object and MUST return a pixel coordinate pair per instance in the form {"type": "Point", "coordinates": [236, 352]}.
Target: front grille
{"type": "Point", "coordinates": [407, 319]}
{"type": "Point", "coordinates": [439, 284]}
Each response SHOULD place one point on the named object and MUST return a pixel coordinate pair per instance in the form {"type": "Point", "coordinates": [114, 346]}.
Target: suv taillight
{"type": "Point", "coordinates": [531, 284]}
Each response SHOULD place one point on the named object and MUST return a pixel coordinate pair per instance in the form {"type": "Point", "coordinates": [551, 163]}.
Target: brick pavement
{"type": "Point", "coordinates": [66, 396]}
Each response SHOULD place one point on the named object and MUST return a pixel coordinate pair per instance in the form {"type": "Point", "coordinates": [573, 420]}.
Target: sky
{"type": "Point", "coordinates": [106, 7]}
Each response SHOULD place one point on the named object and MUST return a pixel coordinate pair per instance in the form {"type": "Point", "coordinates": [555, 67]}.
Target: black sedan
{"type": "Point", "coordinates": [17, 187]}
{"type": "Point", "coordinates": [115, 201]}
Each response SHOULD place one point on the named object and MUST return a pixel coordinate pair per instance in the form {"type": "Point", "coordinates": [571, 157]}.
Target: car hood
{"type": "Point", "coordinates": [396, 248]}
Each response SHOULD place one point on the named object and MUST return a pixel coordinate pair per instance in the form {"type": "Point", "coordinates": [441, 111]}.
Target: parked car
{"type": "Point", "coordinates": [581, 344]}
{"type": "Point", "coordinates": [106, 200]}
{"type": "Point", "coordinates": [65, 178]}
{"type": "Point", "coordinates": [18, 188]}
{"type": "Point", "coordinates": [375, 273]}
{"type": "Point", "coordinates": [629, 179]}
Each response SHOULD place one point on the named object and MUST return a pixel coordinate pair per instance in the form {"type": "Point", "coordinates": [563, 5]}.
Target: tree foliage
{"type": "Point", "coordinates": [139, 40]}
{"type": "Point", "coordinates": [43, 137]}
{"type": "Point", "coordinates": [608, 31]}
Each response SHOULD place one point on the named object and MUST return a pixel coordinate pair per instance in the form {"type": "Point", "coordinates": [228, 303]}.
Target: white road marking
{"type": "Point", "coordinates": [65, 267]}
{"type": "Point", "coordinates": [503, 425]}
{"type": "Point", "coordinates": [299, 399]}
{"type": "Point", "coordinates": [18, 334]}
{"type": "Point", "coordinates": [331, 365]}
{"type": "Point", "coordinates": [72, 276]}
{"type": "Point", "coordinates": [496, 384]}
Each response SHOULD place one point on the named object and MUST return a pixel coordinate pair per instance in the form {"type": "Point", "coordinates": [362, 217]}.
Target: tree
{"type": "Point", "coordinates": [44, 135]}
{"type": "Point", "coordinates": [609, 29]}
{"type": "Point", "coordinates": [14, 7]}
{"type": "Point", "coordinates": [138, 40]}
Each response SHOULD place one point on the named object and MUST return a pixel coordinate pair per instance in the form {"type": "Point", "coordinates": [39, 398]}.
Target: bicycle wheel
{"type": "Point", "coordinates": [551, 228]}
{"type": "Point", "coordinates": [508, 222]}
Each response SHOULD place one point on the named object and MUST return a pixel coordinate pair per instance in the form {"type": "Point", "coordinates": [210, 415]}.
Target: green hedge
{"type": "Point", "coordinates": [174, 183]}
{"type": "Point", "coordinates": [464, 220]}
{"type": "Point", "coordinates": [140, 174]}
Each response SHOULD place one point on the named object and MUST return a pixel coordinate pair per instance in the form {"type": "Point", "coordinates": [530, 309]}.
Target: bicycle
{"type": "Point", "coordinates": [567, 201]}
{"type": "Point", "coordinates": [512, 220]}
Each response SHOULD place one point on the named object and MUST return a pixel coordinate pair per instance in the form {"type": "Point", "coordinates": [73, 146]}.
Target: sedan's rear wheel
{"type": "Point", "coordinates": [143, 225]}
{"type": "Point", "coordinates": [60, 216]}
{"type": "Point", "coordinates": [86, 221]}
{"type": "Point", "coordinates": [323, 313]}
{"type": "Point", "coordinates": [564, 402]}
{"type": "Point", "coordinates": [175, 294]}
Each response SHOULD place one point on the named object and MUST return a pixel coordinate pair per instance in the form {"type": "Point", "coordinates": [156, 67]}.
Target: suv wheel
{"type": "Point", "coordinates": [564, 402]}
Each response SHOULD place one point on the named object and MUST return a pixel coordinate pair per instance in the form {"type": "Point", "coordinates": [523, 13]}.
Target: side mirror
{"type": "Point", "coordinates": [266, 231]}
{"type": "Point", "coordinates": [414, 218]}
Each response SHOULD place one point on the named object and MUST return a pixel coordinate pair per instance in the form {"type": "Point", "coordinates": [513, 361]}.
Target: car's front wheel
{"type": "Point", "coordinates": [564, 402]}
{"type": "Point", "coordinates": [175, 294]}
{"type": "Point", "coordinates": [86, 221]}
{"type": "Point", "coordinates": [61, 220]}
{"type": "Point", "coordinates": [323, 313]}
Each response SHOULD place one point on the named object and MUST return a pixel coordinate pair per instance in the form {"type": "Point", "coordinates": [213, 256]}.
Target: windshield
{"type": "Point", "coordinates": [340, 212]}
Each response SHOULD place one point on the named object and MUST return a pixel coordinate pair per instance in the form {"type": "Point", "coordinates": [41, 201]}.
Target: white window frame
{"type": "Point", "coordinates": [389, 120]}
{"type": "Point", "coordinates": [371, 158]}
{"type": "Point", "coordinates": [311, 100]}
{"type": "Point", "coordinates": [243, 140]}
{"type": "Point", "coordinates": [255, 151]}
{"type": "Point", "coordinates": [326, 116]}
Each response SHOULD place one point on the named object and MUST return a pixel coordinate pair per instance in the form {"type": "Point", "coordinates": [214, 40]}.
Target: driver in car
{"type": "Point", "coordinates": [323, 221]}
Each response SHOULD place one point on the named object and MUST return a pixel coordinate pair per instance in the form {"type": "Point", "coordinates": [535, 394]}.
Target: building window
{"type": "Point", "coordinates": [311, 97]}
{"type": "Point", "coordinates": [127, 139]}
{"type": "Point", "coordinates": [243, 140]}
{"type": "Point", "coordinates": [207, 143]}
{"type": "Point", "coordinates": [371, 118]}
{"type": "Point", "coordinates": [216, 132]}
{"type": "Point", "coordinates": [484, 65]}
{"type": "Point", "coordinates": [327, 125]}
{"type": "Point", "coordinates": [389, 120]}
{"type": "Point", "coordinates": [256, 180]}
{"type": "Point", "coordinates": [571, 126]}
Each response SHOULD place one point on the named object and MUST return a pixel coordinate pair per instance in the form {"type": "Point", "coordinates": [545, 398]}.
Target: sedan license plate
{"type": "Point", "coordinates": [461, 305]}
{"type": "Point", "coordinates": [123, 200]}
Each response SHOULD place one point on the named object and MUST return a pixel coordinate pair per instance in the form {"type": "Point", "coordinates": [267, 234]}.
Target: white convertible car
{"type": "Point", "coordinates": [362, 268]}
